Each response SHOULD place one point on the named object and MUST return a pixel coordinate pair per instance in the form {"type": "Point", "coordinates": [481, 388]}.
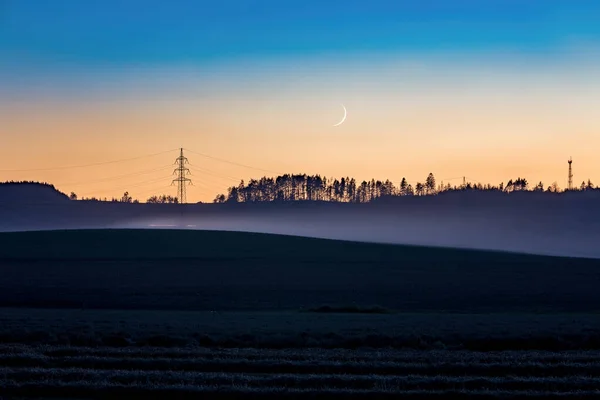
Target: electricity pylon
{"type": "Point", "coordinates": [181, 179]}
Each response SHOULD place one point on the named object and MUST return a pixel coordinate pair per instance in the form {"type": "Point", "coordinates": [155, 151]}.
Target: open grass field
{"type": "Point", "coordinates": [160, 313]}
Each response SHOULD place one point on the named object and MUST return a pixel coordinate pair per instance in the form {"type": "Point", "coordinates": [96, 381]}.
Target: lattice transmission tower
{"type": "Point", "coordinates": [570, 174]}
{"type": "Point", "coordinates": [181, 179]}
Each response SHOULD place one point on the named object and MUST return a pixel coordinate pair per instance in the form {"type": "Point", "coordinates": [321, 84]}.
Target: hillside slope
{"type": "Point", "coordinates": [202, 270]}
{"type": "Point", "coordinates": [566, 224]}
{"type": "Point", "coordinates": [30, 193]}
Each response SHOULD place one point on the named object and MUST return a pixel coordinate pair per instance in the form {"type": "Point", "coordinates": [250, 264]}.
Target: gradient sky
{"type": "Point", "coordinates": [490, 90]}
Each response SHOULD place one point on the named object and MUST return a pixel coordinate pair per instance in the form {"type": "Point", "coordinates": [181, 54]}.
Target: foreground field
{"type": "Point", "coordinates": [53, 371]}
{"type": "Point", "coordinates": [276, 330]}
{"type": "Point", "coordinates": [91, 354]}
{"type": "Point", "coordinates": [225, 271]}
{"type": "Point", "coordinates": [178, 314]}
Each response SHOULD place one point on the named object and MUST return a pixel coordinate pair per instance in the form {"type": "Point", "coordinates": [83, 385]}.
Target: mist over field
{"type": "Point", "coordinates": [539, 223]}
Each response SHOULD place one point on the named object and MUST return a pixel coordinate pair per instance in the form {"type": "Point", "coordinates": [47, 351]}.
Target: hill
{"type": "Point", "coordinates": [30, 192]}
{"type": "Point", "coordinates": [157, 244]}
{"type": "Point", "coordinates": [204, 270]}
{"type": "Point", "coordinates": [565, 224]}
{"type": "Point", "coordinates": [281, 316]}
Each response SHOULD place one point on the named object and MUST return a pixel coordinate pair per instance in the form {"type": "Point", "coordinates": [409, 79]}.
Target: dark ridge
{"type": "Point", "coordinates": [149, 244]}
{"type": "Point", "coordinates": [22, 192]}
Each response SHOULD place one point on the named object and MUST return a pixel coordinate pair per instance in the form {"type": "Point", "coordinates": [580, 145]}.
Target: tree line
{"type": "Point", "coordinates": [298, 187]}
{"type": "Point", "coordinates": [126, 198]}
{"type": "Point", "coordinates": [294, 187]}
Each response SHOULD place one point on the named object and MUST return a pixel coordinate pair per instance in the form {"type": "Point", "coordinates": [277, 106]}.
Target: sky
{"type": "Point", "coordinates": [98, 97]}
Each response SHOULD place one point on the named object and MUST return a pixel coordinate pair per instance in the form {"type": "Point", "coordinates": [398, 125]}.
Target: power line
{"type": "Point", "coordinates": [232, 162]}
{"type": "Point", "coordinates": [473, 179]}
{"type": "Point", "coordinates": [87, 165]}
{"type": "Point", "coordinates": [215, 185]}
{"type": "Point", "coordinates": [114, 177]}
{"type": "Point", "coordinates": [143, 183]}
{"type": "Point", "coordinates": [164, 178]}
{"type": "Point", "coordinates": [209, 181]}
{"type": "Point", "coordinates": [209, 172]}
{"type": "Point", "coordinates": [153, 190]}
{"type": "Point", "coordinates": [207, 186]}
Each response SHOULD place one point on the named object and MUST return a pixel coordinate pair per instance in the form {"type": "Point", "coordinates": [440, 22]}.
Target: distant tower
{"type": "Point", "coordinates": [570, 174]}
{"type": "Point", "coordinates": [181, 179]}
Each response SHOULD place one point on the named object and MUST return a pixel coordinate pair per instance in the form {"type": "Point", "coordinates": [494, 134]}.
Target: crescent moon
{"type": "Point", "coordinates": [343, 119]}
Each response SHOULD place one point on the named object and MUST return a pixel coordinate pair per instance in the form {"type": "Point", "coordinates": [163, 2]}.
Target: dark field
{"type": "Point", "coordinates": [202, 270]}
{"type": "Point", "coordinates": [157, 372]}
{"type": "Point", "coordinates": [159, 313]}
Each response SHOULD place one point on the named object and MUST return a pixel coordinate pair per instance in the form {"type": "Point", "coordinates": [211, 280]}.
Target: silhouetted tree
{"type": "Point", "coordinates": [553, 188]}
{"type": "Point", "coordinates": [430, 184]}
{"type": "Point", "coordinates": [126, 198]}
{"type": "Point", "coordinates": [352, 190]}
{"type": "Point", "coordinates": [387, 188]}
{"type": "Point", "coordinates": [303, 187]}
{"type": "Point", "coordinates": [403, 187]}
{"type": "Point", "coordinates": [73, 196]}
{"type": "Point", "coordinates": [521, 184]}
{"type": "Point", "coordinates": [233, 196]}
{"type": "Point", "coordinates": [419, 189]}
{"type": "Point", "coordinates": [163, 199]}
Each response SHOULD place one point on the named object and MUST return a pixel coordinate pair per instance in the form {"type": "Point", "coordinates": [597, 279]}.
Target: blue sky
{"type": "Point", "coordinates": [154, 32]}
{"type": "Point", "coordinates": [493, 88]}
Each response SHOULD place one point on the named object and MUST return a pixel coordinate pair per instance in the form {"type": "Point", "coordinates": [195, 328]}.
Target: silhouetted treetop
{"type": "Point", "coordinates": [163, 199]}
{"type": "Point", "coordinates": [303, 187]}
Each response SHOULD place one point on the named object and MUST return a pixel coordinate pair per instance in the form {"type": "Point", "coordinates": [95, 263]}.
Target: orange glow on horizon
{"type": "Point", "coordinates": [490, 127]}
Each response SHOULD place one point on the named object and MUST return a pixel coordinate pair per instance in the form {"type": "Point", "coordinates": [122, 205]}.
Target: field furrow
{"type": "Point", "coordinates": [72, 372]}
{"type": "Point", "coordinates": [147, 390]}
{"type": "Point", "coordinates": [518, 368]}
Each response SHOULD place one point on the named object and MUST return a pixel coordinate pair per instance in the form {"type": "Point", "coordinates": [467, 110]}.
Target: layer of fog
{"type": "Point", "coordinates": [546, 224]}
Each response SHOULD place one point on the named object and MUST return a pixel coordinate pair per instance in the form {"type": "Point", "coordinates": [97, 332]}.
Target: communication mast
{"type": "Point", "coordinates": [570, 174]}
{"type": "Point", "coordinates": [181, 179]}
